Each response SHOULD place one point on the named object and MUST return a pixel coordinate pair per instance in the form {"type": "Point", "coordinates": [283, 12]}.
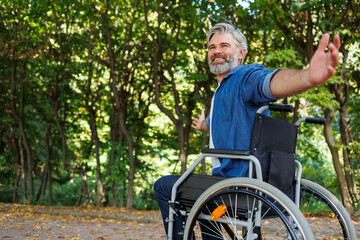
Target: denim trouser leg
{"type": "Point", "coordinates": [163, 187]}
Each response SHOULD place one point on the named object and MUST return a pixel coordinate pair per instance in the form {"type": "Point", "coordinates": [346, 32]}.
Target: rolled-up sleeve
{"type": "Point", "coordinates": [266, 85]}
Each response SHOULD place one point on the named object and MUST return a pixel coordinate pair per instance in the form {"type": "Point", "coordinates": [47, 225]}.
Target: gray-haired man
{"type": "Point", "coordinates": [241, 91]}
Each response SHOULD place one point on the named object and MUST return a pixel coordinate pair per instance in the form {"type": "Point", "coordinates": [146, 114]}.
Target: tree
{"type": "Point", "coordinates": [17, 49]}
{"type": "Point", "coordinates": [301, 23]}
{"type": "Point", "coordinates": [177, 36]}
{"type": "Point", "coordinates": [82, 82]}
{"type": "Point", "coordinates": [123, 58]}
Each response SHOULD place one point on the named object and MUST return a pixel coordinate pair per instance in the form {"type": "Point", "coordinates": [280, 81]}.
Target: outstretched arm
{"type": "Point", "coordinates": [200, 123]}
{"type": "Point", "coordinates": [288, 82]}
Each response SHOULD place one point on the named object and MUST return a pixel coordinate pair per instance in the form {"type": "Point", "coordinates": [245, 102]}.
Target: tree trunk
{"type": "Point", "coordinates": [16, 183]}
{"type": "Point", "coordinates": [343, 186]}
{"type": "Point", "coordinates": [131, 184]}
{"type": "Point", "coordinates": [348, 164]}
{"type": "Point", "coordinates": [130, 149]}
{"type": "Point", "coordinates": [23, 173]}
{"type": "Point", "coordinates": [120, 103]}
{"type": "Point", "coordinates": [50, 198]}
{"type": "Point", "coordinates": [110, 168]}
{"type": "Point", "coordinates": [42, 188]}
{"type": "Point", "coordinates": [95, 138]}
{"type": "Point", "coordinates": [18, 170]}
{"type": "Point", "coordinates": [181, 143]}
{"type": "Point", "coordinates": [63, 140]}
{"type": "Point", "coordinates": [341, 92]}
{"type": "Point", "coordinates": [41, 191]}
{"type": "Point", "coordinates": [158, 72]}
{"type": "Point", "coordinates": [26, 162]}
{"type": "Point", "coordinates": [342, 96]}
{"type": "Point", "coordinates": [115, 137]}
{"type": "Point", "coordinates": [83, 196]}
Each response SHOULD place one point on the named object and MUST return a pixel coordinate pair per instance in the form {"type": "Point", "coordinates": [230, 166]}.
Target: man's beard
{"type": "Point", "coordinates": [229, 64]}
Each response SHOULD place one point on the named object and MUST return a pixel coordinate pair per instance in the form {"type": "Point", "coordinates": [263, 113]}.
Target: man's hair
{"type": "Point", "coordinates": [225, 27]}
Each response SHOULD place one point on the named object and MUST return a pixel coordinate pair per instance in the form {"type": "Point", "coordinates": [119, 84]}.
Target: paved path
{"type": "Point", "coordinates": [42, 222]}
{"type": "Point", "coordinates": [39, 222]}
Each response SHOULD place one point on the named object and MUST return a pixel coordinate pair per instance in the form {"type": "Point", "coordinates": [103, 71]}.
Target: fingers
{"type": "Point", "coordinates": [195, 124]}
{"type": "Point", "coordinates": [331, 70]}
{"type": "Point", "coordinates": [334, 49]}
{"type": "Point", "coordinates": [334, 55]}
{"type": "Point", "coordinates": [202, 112]}
{"type": "Point", "coordinates": [336, 41]}
{"type": "Point", "coordinates": [324, 42]}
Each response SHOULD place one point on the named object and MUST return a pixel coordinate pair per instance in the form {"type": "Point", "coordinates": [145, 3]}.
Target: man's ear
{"type": "Point", "coordinates": [241, 55]}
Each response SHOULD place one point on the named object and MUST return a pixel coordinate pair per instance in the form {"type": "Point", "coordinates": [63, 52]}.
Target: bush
{"type": "Point", "coordinates": [6, 194]}
{"type": "Point", "coordinates": [146, 200]}
{"type": "Point", "coordinates": [64, 194]}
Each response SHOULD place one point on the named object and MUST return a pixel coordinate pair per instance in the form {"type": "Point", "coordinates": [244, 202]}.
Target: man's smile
{"type": "Point", "coordinates": [218, 59]}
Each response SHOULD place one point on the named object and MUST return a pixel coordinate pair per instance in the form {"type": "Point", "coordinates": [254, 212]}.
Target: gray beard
{"type": "Point", "coordinates": [227, 66]}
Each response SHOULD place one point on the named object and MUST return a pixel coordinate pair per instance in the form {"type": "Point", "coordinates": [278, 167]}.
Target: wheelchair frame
{"type": "Point", "coordinates": [255, 167]}
{"type": "Point", "coordinates": [243, 156]}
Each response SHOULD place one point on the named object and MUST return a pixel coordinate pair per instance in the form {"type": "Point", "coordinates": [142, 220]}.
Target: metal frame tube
{"type": "Point", "coordinates": [252, 159]}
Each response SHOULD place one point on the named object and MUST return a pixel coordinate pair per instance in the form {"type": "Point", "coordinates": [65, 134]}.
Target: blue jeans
{"type": "Point", "coordinates": [163, 187]}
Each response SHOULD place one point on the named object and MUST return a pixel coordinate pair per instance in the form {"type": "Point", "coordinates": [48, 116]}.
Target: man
{"type": "Point", "coordinates": [241, 91]}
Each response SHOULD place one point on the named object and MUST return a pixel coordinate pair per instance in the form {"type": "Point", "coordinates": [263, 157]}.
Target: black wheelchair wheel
{"type": "Point", "coordinates": [326, 216]}
{"type": "Point", "coordinates": [243, 208]}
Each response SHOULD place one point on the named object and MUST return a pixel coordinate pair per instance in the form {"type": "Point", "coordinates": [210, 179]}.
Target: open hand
{"type": "Point", "coordinates": [197, 122]}
{"type": "Point", "coordinates": [323, 64]}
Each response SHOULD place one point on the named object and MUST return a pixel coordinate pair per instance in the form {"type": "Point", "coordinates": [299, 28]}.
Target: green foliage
{"type": "Point", "coordinates": [284, 58]}
{"type": "Point", "coordinates": [59, 61]}
{"type": "Point", "coordinates": [7, 172]}
{"type": "Point", "coordinates": [6, 193]}
{"type": "Point", "coordinates": [315, 157]}
{"type": "Point", "coordinates": [65, 194]}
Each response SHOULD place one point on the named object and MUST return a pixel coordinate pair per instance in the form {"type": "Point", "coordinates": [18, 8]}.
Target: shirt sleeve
{"type": "Point", "coordinates": [266, 85]}
{"type": "Point", "coordinates": [255, 85]}
{"type": "Point", "coordinates": [208, 122]}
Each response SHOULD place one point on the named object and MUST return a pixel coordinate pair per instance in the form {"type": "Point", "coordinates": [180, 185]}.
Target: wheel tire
{"type": "Point", "coordinates": [268, 191]}
{"type": "Point", "coordinates": [327, 206]}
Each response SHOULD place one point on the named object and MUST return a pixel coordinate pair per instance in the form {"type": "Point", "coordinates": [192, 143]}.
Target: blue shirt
{"type": "Point", "coordinates": [236, 100]}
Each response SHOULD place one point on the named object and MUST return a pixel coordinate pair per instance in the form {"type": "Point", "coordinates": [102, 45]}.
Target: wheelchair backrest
{"type": "Point", "coordinates": [273, 142]}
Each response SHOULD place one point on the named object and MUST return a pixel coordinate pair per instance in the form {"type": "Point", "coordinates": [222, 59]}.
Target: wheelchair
{"type": "Point", "coordinates": [274, 202]}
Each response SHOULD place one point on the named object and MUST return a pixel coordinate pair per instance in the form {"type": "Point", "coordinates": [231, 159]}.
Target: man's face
{"type": "Point", "coordinates": [223, 54]}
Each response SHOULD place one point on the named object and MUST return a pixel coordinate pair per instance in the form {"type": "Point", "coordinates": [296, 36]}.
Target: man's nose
{"type": "Point", "coordinates": [217, 50]}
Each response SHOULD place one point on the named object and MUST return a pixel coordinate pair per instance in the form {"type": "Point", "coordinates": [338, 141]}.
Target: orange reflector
{"type": "Point", "coordinates": [218, 212]}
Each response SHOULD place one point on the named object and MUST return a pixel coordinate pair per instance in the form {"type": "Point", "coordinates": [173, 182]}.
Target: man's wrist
{"type": "Point", "coordinates": [203, 126]}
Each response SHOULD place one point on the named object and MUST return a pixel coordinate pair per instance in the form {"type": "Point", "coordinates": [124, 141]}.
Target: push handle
{"type": "Point", "coordinates": [313, 120]}
{"type": "Point", "coordinates": [281, 108]}
{"type": "Point", "coordinates": [276, 108]}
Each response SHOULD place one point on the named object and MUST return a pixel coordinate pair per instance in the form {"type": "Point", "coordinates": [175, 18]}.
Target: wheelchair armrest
{"type": "Point", "coordinates": [226, 151]}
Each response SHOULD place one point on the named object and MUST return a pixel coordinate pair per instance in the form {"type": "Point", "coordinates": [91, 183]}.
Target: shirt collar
{"type": "Point", "coordinates": [231, 73]}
